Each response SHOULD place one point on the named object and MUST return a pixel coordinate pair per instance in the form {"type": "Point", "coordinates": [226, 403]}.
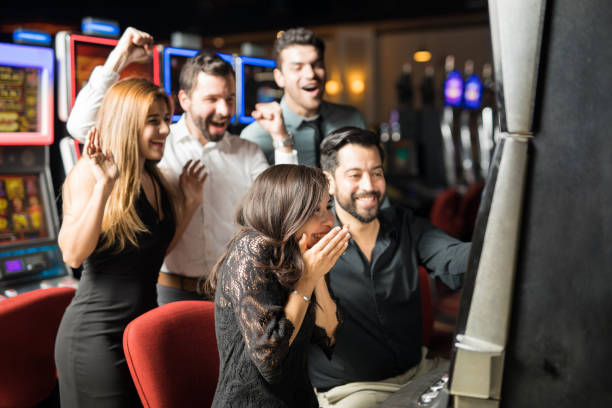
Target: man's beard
{"type": "Point", "coordinates": [350, 207]}
{"type": "Point", "coordinates": [203, 126]}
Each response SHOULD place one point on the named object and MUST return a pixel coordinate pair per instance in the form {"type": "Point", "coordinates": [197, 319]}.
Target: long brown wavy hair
{"type": "Point", "coordinates": [277, 205]}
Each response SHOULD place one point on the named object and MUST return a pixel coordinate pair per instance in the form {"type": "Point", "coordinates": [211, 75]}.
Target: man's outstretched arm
{"type": "Point", "coordinates": [134, 45]}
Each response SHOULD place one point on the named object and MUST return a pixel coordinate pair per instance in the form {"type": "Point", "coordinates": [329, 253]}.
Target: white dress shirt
{"type": "Point", "coordinates": [232, 164]}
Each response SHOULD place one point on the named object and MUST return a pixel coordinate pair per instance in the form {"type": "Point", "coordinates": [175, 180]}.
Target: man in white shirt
{"type": "Point", "coordinates": [207, 95]}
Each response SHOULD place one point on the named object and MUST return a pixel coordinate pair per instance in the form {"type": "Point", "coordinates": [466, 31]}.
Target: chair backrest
{"type": "Point", "coordinates": [468, 210]}
{"type": "Point", "coordinates": [172, 355]}
{"type": "Point", "coordinates": [28, 327]}
{"type": "Point", "coordinates": [444, 211]}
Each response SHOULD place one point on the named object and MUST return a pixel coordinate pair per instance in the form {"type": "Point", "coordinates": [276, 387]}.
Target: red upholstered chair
{"type": "Point", "coordinates": [426, 306]}
{"type": "Point", "coordinates": [468, 210]}
{"type": "Point", "coordinates": [28, 327]}
{"type": "Point", "coordinates": [172, 354]}
{"type": "Point", "coordinates": [444, 211]}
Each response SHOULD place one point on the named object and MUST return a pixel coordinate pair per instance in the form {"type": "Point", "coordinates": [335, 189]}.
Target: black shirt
{"type": "Point", "coordinates": [381, 302]}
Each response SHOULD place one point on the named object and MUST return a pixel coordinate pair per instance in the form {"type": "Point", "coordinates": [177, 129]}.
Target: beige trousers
{"type": "Point", "coordinates": [372, 394]}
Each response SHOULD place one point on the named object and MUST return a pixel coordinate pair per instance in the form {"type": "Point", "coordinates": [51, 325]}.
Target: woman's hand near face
{"type": "Point", "coordinates": [319, 259]}
{"type": "Point", "coordinates": [102, 164]}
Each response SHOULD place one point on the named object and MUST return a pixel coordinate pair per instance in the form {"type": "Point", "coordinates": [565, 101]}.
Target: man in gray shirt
{"type": "Point", "coordinates": [303, 118]}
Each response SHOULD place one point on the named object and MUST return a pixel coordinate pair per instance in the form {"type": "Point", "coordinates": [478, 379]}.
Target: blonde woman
{"type": "Point", "coordinates": [119, 220]}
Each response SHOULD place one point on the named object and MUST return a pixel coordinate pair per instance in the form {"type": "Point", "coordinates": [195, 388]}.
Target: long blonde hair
{"type": "Point", "coordinates": [121, 121]}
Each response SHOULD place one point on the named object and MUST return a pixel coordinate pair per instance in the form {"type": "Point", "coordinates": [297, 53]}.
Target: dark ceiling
{"type": "Point", "coordinates": [218, 17]}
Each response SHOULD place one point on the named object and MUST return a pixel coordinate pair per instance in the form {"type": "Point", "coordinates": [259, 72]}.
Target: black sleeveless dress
{"type": "Point", "coordinates": [113, 290]}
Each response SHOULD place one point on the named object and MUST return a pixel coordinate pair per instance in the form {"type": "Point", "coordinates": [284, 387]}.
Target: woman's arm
{"type": "Point", "coordinates": [191, 182]}
{"type": "Point", "coordinates": [257, 300]}
{"type": "Point", "coordinates": [268, 320]}
{"type": "Point", "coordinates": [86, 192]}
{"type": "Point", "coordinates": [327, 311]}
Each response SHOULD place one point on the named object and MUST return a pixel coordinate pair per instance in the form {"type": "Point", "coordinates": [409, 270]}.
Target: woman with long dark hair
{"type": "Point", "coordinates": [271, 297]}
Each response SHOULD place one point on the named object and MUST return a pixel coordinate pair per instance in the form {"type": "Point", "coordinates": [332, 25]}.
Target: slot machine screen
{"type": "Point", "coordinates": [19, 89]}
{"type": "Point", "coordinates": [174, 59]}
{"type": "Point", "coordinates": [23, 216]}
{"type": "Point", "coordinates": [453, 89]}
{"type": "Point", "coordinates": [89, 52]}
{"type": "Point", "coordinates": [257, 85]}
{"type": "Point", "coordinates": [26, 95]}
{"type": "Point", "coordinates": [472, 93]}
{"type": "Point", "coordinates": [176, 63]}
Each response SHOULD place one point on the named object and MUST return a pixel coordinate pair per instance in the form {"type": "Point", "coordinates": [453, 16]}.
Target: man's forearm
{"type": "Point", "coordinates": [88, 102]}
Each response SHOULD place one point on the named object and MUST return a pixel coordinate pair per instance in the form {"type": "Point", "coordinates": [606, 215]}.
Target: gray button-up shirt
{"type": "Point", "coordinates": [332, 116]}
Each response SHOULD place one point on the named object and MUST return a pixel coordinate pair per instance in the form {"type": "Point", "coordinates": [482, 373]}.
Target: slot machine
{"type": "Point", "coordinates": [403, 121]}
{"type": "Point", "coordinates": [173, 60]}
{"type": "Point", "coordinates": [453, 93]}
{"type": "Point", "coordinates": [254, 84]}
{"type": "Point", "coordinates": [431, 149]}
{"type": "Point", "coordinates": [77, 56]}
{"type": "Point", "coordinates": [534, 326]}
{"type": "Point", "coordinates": [472, 95]}
{"type": "Point", "coordinates": [29, 255]}
{"type": "Point", "coordinates": [488, 124]}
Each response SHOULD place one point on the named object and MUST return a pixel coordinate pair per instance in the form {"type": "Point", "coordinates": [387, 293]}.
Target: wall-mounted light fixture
{"type": "Point", "coordinates": [218, 42]}
{"type": "Point", "coordinates": [357, 86]}
{"type": "Point", "coordinates": [333, 87]}
{"type": "Point", "coordinates": [422, 55]}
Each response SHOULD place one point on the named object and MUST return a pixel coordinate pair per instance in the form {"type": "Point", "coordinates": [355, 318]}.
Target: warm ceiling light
{"type": "Point", "coordinates": [422, 56]}
{"type": "Point", "coordinates": [357, 86]}
{"type": "Point", "coordinates": [218, 42]}
{"type": "Point", "coordinates": [332, 87]}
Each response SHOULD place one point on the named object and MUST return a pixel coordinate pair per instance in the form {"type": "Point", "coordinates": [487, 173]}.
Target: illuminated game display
{"type": "Point", "coordinates": [174, 59]}
{"type": "Point", "coordinates": [18, 99]}
{"type": "Point", "coordinates": [26, 95]}
{"type": "Point", "coordinates": [472, 93]}
{"type": "Point", "coordinates": [79, 54]}
{"type": "Point", "coordinates": [255, 83]}
{"type": "Point", "coordinates": [29, 223]}
{"type": "Point", "coordinates": [22, 215]}
{"type": "Point", "coordinates": [453, 89]}
{"type": "Point", "coordinates": [88, 52]}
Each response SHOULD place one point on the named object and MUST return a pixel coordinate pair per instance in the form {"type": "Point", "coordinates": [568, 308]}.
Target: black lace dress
{"type": "Point", "coordinates": [258, 367]}
{"type": "Point", "coordinates": [113, 290]}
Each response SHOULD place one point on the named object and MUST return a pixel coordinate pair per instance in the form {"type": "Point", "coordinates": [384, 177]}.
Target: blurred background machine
{"type": "Point", "coordinates": [77, 55]}
{"type": "Point", "coordinates": [29, 222]}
